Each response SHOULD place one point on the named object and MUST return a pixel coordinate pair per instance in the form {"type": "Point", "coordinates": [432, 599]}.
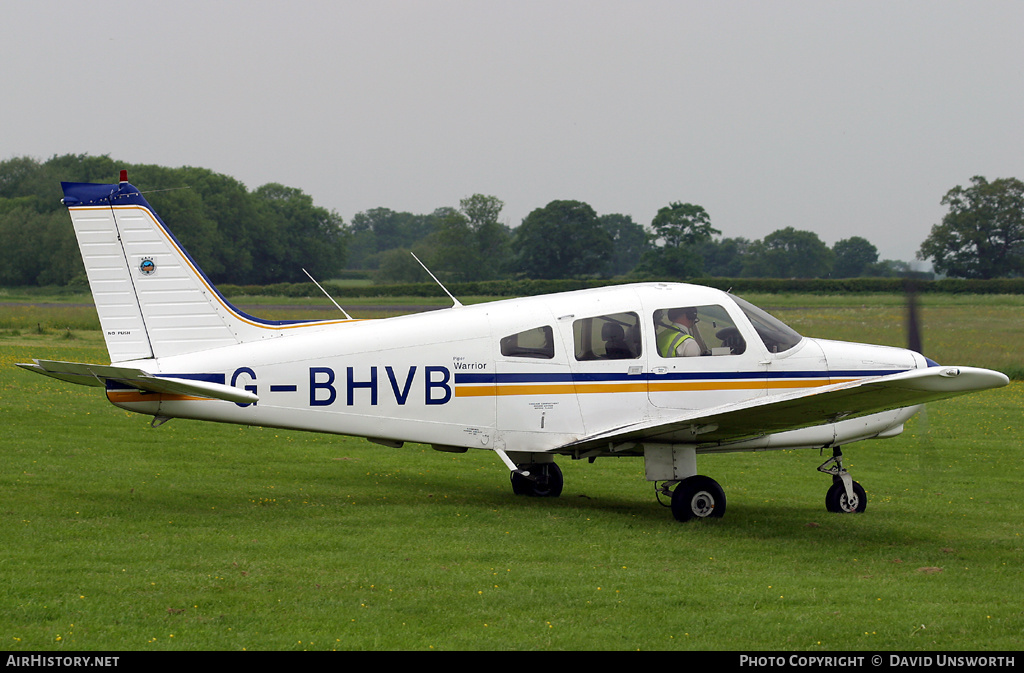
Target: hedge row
{"type": "Point", "coordinates": [526, 288]}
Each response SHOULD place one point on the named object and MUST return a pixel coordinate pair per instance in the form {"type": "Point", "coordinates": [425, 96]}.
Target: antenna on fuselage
{"type": "Point", "coordinates": [457, 303]}
{"type": "Point", "coordinates": [328, 296]}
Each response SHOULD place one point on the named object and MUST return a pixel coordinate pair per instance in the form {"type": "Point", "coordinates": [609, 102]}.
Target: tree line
{"type": "Point", "coordinates": [568, 239]}
{"type": "Point", "coordinates": [239, 236]}
{"type": "Point", "coordinates": [270, 234]}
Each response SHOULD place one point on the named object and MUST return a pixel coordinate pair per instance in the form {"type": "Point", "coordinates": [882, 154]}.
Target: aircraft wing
{"type": "Point", "coordinates": [98, 375]}
{"type": "Point", "coordinates": [803, 408]}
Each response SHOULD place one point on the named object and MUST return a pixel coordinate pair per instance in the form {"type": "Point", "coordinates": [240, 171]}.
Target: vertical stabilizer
{"type": "Point", "coordinates": [151, 297]}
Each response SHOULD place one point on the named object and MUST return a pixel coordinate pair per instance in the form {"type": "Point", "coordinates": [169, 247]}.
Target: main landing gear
{"type": "Point", "coordinates": [845, 496]}
{"type": "Point", "coordinates": [693, 497]}
{"type": "Point", "coordinates": [540, 480]}
{"type": "Point", "coordinates": [696, 497]}
{"type": "Point", "coordinates": [539, 477]}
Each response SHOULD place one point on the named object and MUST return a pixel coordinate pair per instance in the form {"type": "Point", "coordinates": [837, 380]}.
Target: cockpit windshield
{"type": "Point", "coordinates": [776, 335]}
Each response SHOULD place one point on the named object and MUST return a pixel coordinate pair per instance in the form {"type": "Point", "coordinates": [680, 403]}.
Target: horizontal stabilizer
{"type": "Point", "coordinates": [98, 375]}
{"type": "Point", "coordinates": [804, 408]}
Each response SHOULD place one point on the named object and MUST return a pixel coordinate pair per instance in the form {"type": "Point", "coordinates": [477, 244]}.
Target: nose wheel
{"type": "Point", "coordinates": [838, 501]}
{"type": "Point", "coordinates": [845, 496]}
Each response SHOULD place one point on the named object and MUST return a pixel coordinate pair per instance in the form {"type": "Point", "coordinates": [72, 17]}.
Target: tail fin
{"type": "Point", "coordinates": [153, 300]}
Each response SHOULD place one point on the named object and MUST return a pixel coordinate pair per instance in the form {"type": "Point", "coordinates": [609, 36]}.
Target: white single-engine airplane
{"type": "Point", "coordinates": [586, 374]}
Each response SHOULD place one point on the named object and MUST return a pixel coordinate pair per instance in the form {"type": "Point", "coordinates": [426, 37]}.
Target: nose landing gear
{"type": "Point", "coordinates": [845, 496]}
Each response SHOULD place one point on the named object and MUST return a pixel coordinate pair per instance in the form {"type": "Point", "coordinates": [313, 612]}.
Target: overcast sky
{"type": "Point", "coordinates": [842, 118]}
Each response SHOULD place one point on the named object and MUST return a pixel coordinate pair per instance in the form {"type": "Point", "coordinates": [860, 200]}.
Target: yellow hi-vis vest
{"type": "Point", "coordinates": [669, 342]}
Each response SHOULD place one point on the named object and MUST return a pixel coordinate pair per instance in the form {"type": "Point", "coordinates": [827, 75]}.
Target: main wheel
{"type": "Point", "coordinates": [837, 501]}
{"type": "Point", "coordinates": [545, 481]}
{"type": "Point", "coordinates": [698, 497]}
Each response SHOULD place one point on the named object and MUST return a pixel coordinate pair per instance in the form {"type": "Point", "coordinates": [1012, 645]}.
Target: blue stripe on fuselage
{"type": "Point", "coordinates": [675, 376]}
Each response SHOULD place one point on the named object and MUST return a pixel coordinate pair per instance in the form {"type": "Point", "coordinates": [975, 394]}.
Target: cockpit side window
{"type": "Point", "coordinates": [615, 336]}
{"type": "Point", "coordinates": [696, 330]}
{"type": "Point", "coordinates": [776, 335]}
{"type": "Point", "coordinates": [538, 342]}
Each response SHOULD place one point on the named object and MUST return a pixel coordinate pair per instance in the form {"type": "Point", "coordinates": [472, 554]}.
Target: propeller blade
{"type": "Point", "coordinates": [914, 341]}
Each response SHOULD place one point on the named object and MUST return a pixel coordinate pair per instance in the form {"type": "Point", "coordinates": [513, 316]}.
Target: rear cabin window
{"type": "Point", "coordinates": [696, 330]}
{"type": "Point", "coordinates": [615, 336]}
{"type": "Point", "coordinates": [533, 343]}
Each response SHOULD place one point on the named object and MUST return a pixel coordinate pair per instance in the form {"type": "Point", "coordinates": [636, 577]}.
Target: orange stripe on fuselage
{"type": "Point", "coordinates": [129, 396]}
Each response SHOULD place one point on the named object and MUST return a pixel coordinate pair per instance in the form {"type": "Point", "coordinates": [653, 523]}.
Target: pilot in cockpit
{"type": "Point", "coordinates": [678, 338]}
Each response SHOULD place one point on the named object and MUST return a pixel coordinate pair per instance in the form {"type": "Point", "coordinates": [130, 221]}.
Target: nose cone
{"type": "Point", "coordinates": [869, 360]}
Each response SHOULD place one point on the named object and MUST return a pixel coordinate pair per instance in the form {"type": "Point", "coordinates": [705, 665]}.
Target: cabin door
{"type": "Point", "coordinates": [702, 356]}
{"type": "Point", "coordinates": [609, 367]}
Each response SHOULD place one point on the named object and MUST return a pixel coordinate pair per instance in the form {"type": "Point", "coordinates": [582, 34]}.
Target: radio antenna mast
{"type": "Point", "coordinates": [328, 296]}
{"type": "Point", "coordinates": [457, 303]}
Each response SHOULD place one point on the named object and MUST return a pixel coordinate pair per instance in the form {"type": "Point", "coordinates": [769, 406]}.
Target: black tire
{"type": "Point", "coordinates": [836, 500]}
{"type": "Point", "coordinates": [546, 481]}
{"type": "Point", "coordinates": [698, 497]}
{"type": "Point", "coordinates": [520, 485]}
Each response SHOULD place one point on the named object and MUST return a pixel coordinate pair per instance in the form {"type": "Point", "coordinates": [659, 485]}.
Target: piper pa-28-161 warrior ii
{"type": "Point", "coordinates": [585, 374]}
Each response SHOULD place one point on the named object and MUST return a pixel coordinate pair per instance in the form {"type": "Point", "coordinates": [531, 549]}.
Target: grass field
{"type": "Point", "coordinates": [193, 536]}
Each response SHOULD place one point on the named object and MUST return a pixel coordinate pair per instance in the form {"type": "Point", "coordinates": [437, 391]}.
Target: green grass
{"type": "Point", "coordinates": [200, 536]}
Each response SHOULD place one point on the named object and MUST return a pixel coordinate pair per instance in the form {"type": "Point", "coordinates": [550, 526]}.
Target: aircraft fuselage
{"type": "Point", "coordinates": [442, 378]}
